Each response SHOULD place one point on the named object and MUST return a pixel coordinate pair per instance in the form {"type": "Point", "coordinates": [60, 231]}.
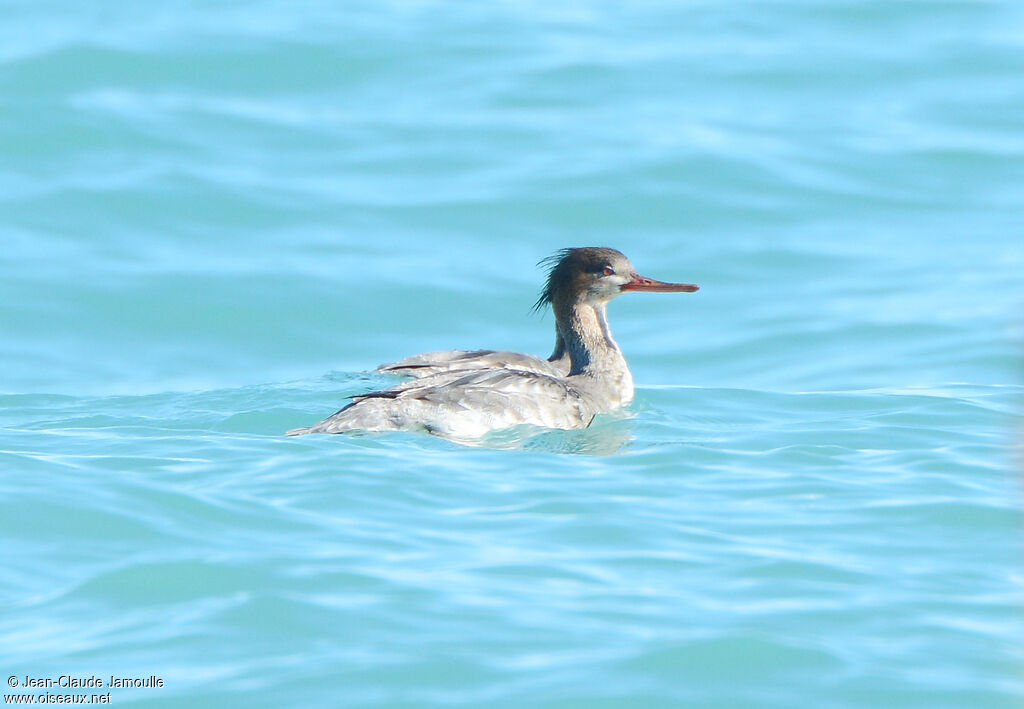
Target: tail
{"type": "Point", "coordinates": [331, 424]}
{"type": "Point", "coordinates": [369, 412]}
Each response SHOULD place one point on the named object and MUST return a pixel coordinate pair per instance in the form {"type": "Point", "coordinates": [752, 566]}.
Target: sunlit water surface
{"type": "Point", "coordinates": [217, 217]}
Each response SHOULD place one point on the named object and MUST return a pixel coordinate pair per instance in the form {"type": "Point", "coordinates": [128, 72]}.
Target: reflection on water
{"type": "Point", "coordinates": [606, 435]}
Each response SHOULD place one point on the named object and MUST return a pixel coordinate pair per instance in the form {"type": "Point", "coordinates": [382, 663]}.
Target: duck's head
{"type": "Point", "coordinates": [596, 274]}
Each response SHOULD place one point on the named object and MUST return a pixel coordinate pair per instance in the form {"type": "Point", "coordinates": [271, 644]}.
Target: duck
{"type": "Point", "coordinates": [466, 394]}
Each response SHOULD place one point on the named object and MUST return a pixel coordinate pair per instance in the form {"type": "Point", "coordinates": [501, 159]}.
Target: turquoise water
{"type": "Point", "coordinates": [218, 216]}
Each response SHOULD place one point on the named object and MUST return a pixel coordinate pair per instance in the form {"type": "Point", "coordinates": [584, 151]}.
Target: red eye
{"type": "Point", "coordinates": [609, 271]}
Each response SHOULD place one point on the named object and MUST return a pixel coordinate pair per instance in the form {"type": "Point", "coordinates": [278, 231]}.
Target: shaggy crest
{"type": "Point", "coordinates": [565, 264]}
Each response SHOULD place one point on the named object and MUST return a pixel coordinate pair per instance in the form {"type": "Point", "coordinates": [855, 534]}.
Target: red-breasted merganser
{"type": "Point", "coordinates": [465, 394]}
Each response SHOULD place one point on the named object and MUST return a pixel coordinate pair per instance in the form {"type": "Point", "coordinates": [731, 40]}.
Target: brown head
{"type": "Point", "coordinates": [596, 274]}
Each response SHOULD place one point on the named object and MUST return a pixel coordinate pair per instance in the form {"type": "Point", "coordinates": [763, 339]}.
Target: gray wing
{"type": "Point", "coordinates": [430, 363]}
{"type": "Point", "coordinates": [469, 405]}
